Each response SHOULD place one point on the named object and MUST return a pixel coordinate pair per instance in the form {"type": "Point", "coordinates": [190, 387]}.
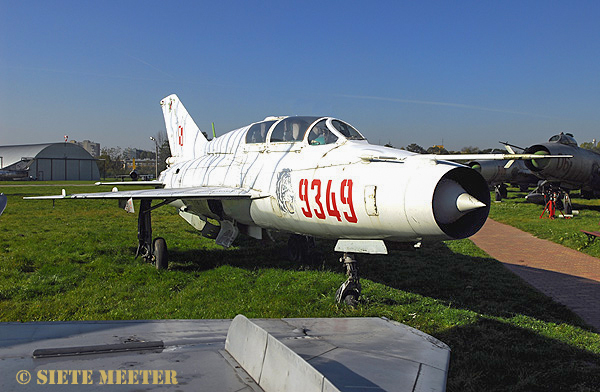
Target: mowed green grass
{"type": "Point", "coordinates": [516, 212]}
{"type": "Point", "coordinates": [75, 262]}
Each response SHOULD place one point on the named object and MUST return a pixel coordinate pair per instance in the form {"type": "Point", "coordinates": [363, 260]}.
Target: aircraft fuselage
{"type": "Point", "coordinates": [582, 171]}
{"type": "Point", "coordinates": [337, 190]}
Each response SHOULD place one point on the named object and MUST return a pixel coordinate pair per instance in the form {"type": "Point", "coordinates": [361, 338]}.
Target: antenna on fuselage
{"type": "Point", "coordinates": [214, 134]}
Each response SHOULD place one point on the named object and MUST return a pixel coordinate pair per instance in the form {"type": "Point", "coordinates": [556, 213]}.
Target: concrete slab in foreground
{"type": "Point", "coordinates": [350, 354]}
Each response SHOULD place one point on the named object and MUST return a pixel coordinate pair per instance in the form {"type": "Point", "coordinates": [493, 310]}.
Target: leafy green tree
{"type": "Point", "coordinates": [470, 150]}
{"type": "Point", "coordinates": [111, 162]}
{"type": "Point", "coordinates": [590, 146]}
{"type": "Point", "coordinates": [164, 152]}
{"type": "Point", "coordinates": [439, 150]}
{"type": "Point", "coordinates": [414, 147]}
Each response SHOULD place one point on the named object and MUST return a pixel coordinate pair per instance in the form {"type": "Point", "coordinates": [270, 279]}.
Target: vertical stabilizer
{"type": "Point", "coordinates": [185, 139]}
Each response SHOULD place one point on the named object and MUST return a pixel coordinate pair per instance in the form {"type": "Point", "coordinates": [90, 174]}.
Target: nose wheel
{"type": "Point", "coordinates": [350, 290]}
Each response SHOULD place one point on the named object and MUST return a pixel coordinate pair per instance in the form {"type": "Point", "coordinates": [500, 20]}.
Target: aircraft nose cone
{"type": "Point", "coordinates": [452, 201]}
{"type": "Point", "coordinates": [466, 203]}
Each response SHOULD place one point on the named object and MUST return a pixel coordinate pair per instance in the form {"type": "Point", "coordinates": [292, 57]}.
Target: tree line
{"type": "Point", "coordinates": [440, 150]}
{"type": "Point", "coordinates": [112, 160]}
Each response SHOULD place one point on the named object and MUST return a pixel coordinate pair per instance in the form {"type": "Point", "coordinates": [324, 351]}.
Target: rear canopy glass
{"type": "Point", "coordinates": [291, 129]}
{"type": "Point", "coordinates": [258, 132]}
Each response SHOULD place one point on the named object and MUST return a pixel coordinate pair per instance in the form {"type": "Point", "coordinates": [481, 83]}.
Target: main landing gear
{"type": "Point", "coordinates": [350, 290]}
{"type": "Point", "coordinates": [500, 191]}
{"type": "Point", "coordinates": [152, 251]}
{"type": "Point", "coordinates": [300, 248]}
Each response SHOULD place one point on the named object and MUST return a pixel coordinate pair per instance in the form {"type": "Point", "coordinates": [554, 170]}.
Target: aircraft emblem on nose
{"type": "Point", "coordinates": [285, 192]}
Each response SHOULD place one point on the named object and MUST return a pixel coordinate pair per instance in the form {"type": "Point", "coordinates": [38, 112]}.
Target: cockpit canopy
{"type": "Point", "coordinates": [315, 130]}
{"type": "Point", "coordinates": [564, 138]}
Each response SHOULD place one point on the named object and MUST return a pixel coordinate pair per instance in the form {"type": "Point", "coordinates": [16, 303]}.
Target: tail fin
{"type": "Point", "coordinates": [185, 138]}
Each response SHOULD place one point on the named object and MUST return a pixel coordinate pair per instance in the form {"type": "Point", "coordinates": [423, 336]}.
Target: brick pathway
{"type": "Point", "coordinates": [568, 276]}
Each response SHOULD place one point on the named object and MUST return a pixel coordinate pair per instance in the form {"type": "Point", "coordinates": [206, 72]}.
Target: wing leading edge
{"type": "Point", "coordinates": [208, 192]}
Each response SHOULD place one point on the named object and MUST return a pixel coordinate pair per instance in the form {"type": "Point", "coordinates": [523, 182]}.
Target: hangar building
{"type": "Point", "coordinates": [48, 162]}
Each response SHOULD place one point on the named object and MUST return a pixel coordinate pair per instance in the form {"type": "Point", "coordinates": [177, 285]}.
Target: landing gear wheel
{"type": "Point", "coordinates": [350, 290]}
{"type": "Point", "coordinates": [501, 192]}
{"type": "Point", "coordinates": [299, 248]}
{"type": "Point", "coordinates": [161, 256]}
{"type": "Point", "coordinates": [567, 204]}
{"type": "Point", "coordinates": [296, 249]}
{"type": "Point", "coordinates": [348, 293]}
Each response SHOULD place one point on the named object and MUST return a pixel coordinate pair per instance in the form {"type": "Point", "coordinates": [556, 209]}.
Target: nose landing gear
{"type": "Point", "coordinates": [350, 290]}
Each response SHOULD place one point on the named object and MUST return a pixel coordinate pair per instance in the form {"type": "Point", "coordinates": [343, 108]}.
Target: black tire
{"type": "Point", "coordinates": [567, 205]}
{"type": "Point", "coordinates": [349, 295]}
{"type": "Point", "coordinates": [503, 191]}
{"type": "Point", "coordinates": [161, 255]}
{"type": "Point", "coordinates": [297, 249]}
{"type": "Point", "coordinates": [351, 299]}
{"type": "Point", "coordinates": [498, 194]}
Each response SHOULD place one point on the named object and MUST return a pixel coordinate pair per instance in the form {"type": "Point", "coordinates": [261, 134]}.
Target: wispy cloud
{"type": "Point", "coordinates": [449, 104]}
{"type": "Point", "coordinates": [149, 65]}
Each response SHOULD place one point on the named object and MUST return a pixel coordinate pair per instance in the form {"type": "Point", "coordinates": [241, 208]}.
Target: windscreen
{"type": "Point", "coordinates": [347, 130]}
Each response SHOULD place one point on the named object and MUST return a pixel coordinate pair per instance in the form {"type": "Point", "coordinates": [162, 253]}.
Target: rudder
{"type": "Point", "coordinates": [185, 138]}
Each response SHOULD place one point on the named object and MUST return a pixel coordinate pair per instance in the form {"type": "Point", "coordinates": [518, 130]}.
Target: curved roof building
{"type": "Point", "coordinates": [48, 162]}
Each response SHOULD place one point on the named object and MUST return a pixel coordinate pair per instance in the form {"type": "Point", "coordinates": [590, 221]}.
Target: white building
{"type": "Point", "coordinates": [48, 162]}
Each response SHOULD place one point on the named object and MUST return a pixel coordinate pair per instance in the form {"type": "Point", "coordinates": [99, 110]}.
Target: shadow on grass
{"type": "Point", "coordinates": [519, 197]}
{"type": "Point", "coordinates": [578, 206]}
{"type": "Point", "coordinates": [482, 285]}
{"type": "Point", "coordinates": [495, 356]}
{"type": "Point", "coordinates": [479, 284]}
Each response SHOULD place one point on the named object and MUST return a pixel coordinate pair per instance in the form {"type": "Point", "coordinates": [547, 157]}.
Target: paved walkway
{"type": "Point", "coordinates": [568, 276]}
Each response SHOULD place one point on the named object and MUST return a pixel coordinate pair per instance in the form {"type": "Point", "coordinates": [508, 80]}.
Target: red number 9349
{"type": "Point", "coordinates": [314, 195]}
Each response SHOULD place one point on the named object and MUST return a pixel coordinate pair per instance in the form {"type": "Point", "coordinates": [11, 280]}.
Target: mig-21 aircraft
{"type": "Point", "coordinates": [558, 177]}
{"type": "Point", "coordinates": [310, 177]}
{"type": "Point", "coordinates": [499, 173]}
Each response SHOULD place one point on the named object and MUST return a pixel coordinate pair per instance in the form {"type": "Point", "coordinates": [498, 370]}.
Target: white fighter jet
{"type": "Point", "coordinates": [310, 177]}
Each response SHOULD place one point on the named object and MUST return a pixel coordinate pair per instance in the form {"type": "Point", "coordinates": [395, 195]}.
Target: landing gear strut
{"type": "Point", "coordinates": [300, 248]}
{"type": "Point", "coordinates": [501, 192]}
{"type": "Point", "coordinates": [152, 251]}
{"type": "Point", "coordinates": [350, 290]}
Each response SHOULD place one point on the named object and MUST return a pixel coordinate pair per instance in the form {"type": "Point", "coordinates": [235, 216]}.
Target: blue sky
{"type": "Point", "coordinates": [461, 73]}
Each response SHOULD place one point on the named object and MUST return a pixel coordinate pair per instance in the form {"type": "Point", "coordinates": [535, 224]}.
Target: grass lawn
{"type": "Point", "coordinates": [516, 212]}
{"type": "Point", "coordinates": [75, 262]}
